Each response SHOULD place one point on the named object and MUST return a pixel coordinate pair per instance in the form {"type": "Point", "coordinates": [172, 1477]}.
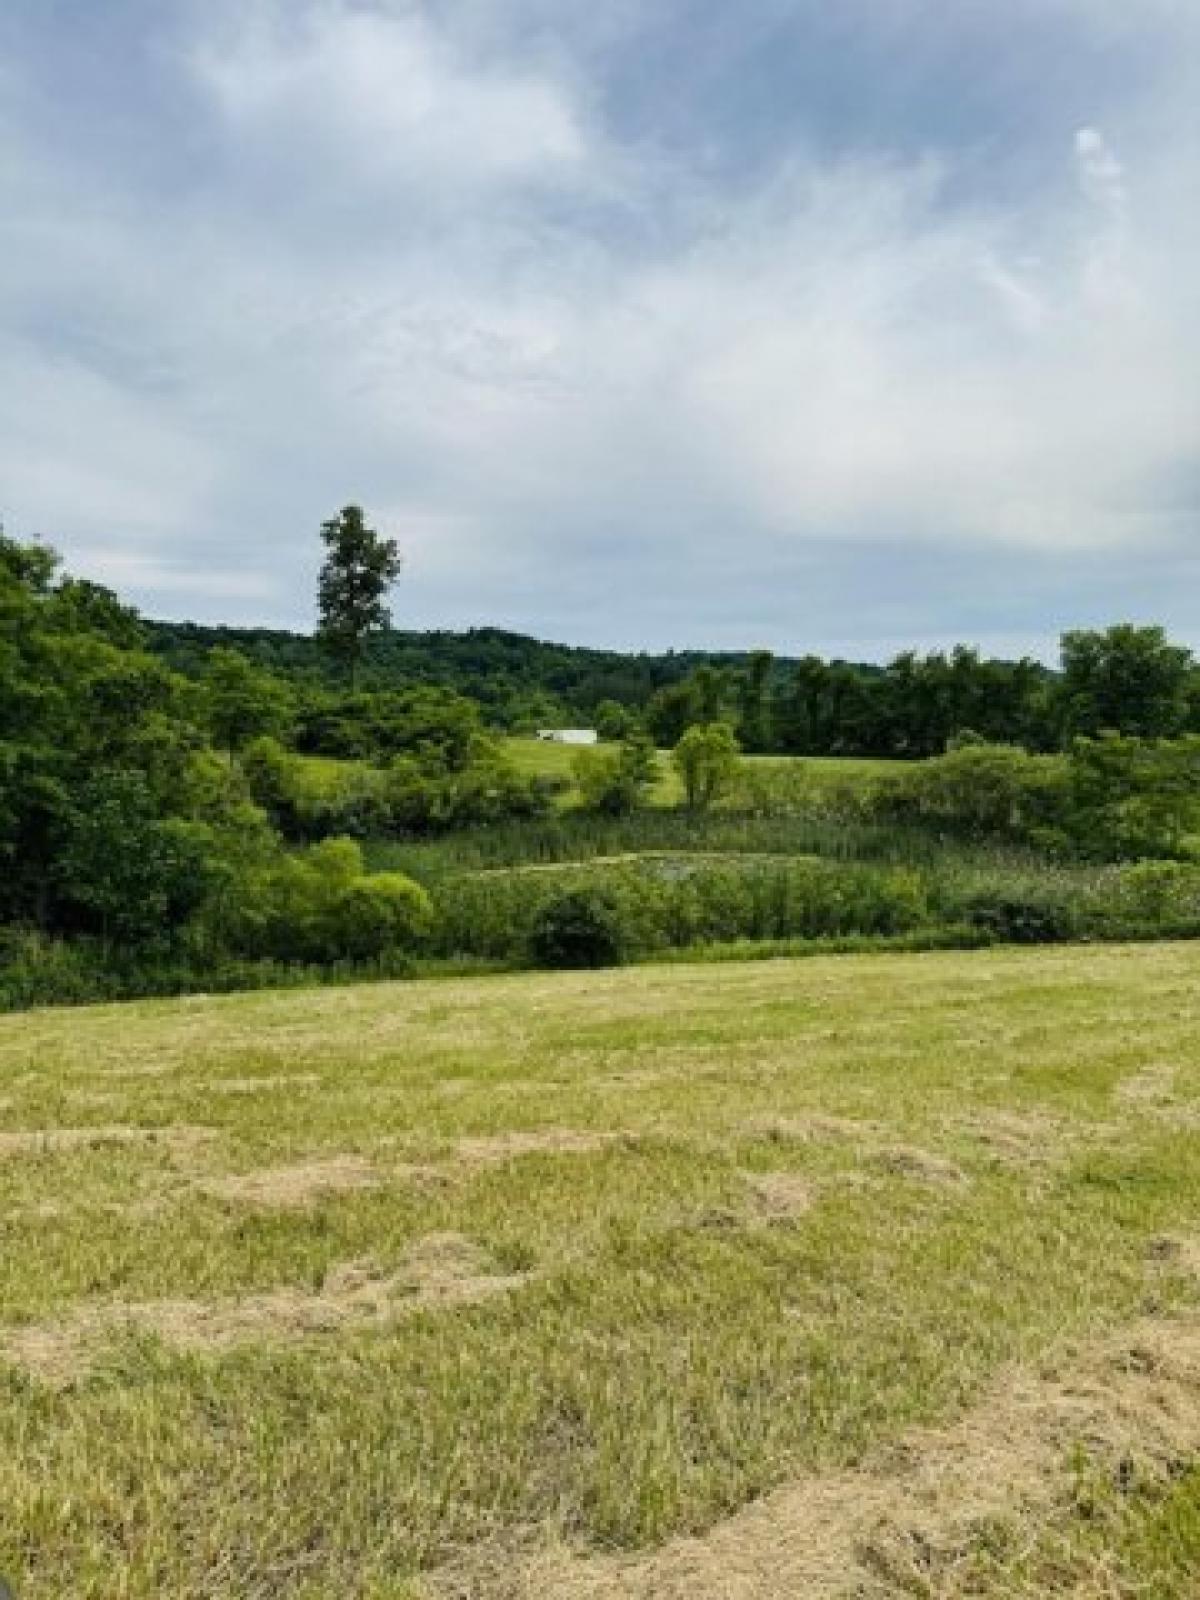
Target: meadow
{"type": "Point", "coordinates": [544, 759]}
{"type": "Point", "coordinates": [541, 758]}
{"type": "Point", "coordinates": [868, 1276]}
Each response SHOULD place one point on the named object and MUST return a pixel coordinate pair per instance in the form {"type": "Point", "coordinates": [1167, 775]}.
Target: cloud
{"type": "Point", "coordinates": [382, 97]}
{"type": "Point", "coordinates": [598, 382]}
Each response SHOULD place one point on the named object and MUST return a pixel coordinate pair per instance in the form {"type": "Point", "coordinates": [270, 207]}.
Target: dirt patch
{"type": "Point", "coordinates": [901, 1523]}
{"type": "Point", "coordinates": [906, 1161]}
{"type": "Point", "coordinates": [779, 1196]}
{"type": "Point", "coordinates": [57, 1141]}
{"type": "Point", "coordinates": [442, 1270]}
{"type": "Point", "coordinates": [295, 1187]}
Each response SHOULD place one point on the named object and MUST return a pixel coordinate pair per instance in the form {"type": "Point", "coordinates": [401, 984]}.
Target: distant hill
{"type": "Point", "coordinates": [493, 666]}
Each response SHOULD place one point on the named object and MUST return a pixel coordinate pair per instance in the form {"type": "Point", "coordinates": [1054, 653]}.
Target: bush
{"type": "Point", "coordinates": [373, 915]}
{"type": "Point", "coordinates": [579, 928]}
{"type": "Point", "coordinates": [35, 971]}
{"type": "Point", "coordinates": [1134, 798]}
{"type": "Point", "coordinates": [1016, 916]}
{"type": "Point", "coordinates": [321, 907]}
{"type": "Point", "coordinates": [706, 759]}
{"type": "Point", "coordinates": [615, 783]}
{"type": "Point", "coordinates": [979, 791]}
{"type": "Point", "coordinates": [124, 872]}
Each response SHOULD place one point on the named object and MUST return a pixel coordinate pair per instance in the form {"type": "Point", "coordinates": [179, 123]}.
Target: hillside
{"type": "Point", "coordinates": [489, 664]}
{"type": "Point", "coordinates": [869, 1275]}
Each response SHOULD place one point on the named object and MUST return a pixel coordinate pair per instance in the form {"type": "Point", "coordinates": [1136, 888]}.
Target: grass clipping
{"type": "Point", "coordinates": [441, 1270]}
{"type": "Point", "coordinates": [904, 1523]}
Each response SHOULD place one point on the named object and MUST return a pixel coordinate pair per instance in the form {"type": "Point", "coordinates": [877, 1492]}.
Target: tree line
{"type": "Point", "coordinates": [343, 680]}
{"type": "Point", "coordinates": [1125, 679]}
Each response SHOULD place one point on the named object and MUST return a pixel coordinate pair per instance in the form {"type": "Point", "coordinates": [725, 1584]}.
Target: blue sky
{"type": "Point", "coordinates": [657, 322]}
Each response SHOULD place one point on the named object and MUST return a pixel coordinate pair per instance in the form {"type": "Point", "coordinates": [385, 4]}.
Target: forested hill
{"type": "Point", "coordinates": [515, 678]}
{"type": "Point", "coordinates": [1126, 679]}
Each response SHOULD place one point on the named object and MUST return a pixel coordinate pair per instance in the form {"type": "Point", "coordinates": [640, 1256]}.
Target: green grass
{"type": "Point", "coordinates": [580, 1261]}
{"type": "Point", "coordinates": [542, 758]}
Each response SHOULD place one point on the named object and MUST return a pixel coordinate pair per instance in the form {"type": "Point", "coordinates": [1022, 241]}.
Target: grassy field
{"type": "Point", "coordinates": [542, 758]}
{"type": "Point", "coordinates": [860, 1276]}
{"type": "Point", "coordinates": [539, 757]}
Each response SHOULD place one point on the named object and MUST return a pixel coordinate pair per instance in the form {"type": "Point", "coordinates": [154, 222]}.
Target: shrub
{"type": "Point", "coordinates": [1134, 798]}
{"type": "Point", "coordinates": [321, 907]}
{"type": "Point", "coordinates": [125, 873]}
{"type": "Point", "coordinates": [615, 782]}
{"type": "Point", "coordinates": [579, 928]}
{"type": "Point", "coordinates": [373, 915]}
{"type": "Point", "coordinates": [1020, 916]}
{"type": "Point", "coordinates": [706, 759]}
{"type": "Point", "coordinates": [35, 970]}
{"type": "Point", "coordinates": [979, 791]}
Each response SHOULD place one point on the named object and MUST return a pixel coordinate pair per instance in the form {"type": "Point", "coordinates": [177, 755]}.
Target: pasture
{"type": "Point", "coordinates": [542, 758]}
{"type": "Point", "coordinates": [857, 1276]}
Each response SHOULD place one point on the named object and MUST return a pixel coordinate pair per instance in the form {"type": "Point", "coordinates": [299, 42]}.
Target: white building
{"type": "Point", "coordinates": [568, 735]}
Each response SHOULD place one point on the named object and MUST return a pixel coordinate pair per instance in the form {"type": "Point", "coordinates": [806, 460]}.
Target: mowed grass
{"type": "Point", "coordinates": [497, 1287]}
{"type": "Point", "coordinates": [543, 758]}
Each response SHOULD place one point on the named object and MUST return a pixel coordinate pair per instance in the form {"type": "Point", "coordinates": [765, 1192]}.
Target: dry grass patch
{"type": "Point", "coordinates": [1153, 1085]}
{"type": "Point", "coordinates": [901, 1525]}
{"type": "Point", "coordinates": [1028, 1138]}
{"type": "Point", "coordinates": [780, 1196]}
{"type": "Point", "coordinates": [907, 1161]}
{"type": "Point", "coordinates": [811, 1128]}
{"type": "Point", "coordinates": [55, 1141]}
{"type": "Point", "coordinates": [294, 1187]}
{"type": "Point", "coordinates": [512, 1146]}
{"type": "Point", "coordinates": [438, 1271]}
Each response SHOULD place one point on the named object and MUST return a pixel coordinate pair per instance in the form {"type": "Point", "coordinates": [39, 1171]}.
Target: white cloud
{"type": "Point", "coordinates": [382, 96]}
{"type": "Point", "coordinates": [566, 372]}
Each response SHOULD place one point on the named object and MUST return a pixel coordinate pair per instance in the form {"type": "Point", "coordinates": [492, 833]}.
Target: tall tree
{"type": "Point", "coordinates": [1125, 680]}
{"type": "Point", "coordinates": [359, 569]}
{"type": "Point", "coordinates": [754, 706]}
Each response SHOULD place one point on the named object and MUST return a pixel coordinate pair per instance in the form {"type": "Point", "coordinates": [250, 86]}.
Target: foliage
{"type": "Point", "coordinates": [979, 791]}
{"type": "Point", "coordinates": [1134, 798]}
{"type": "Point", "coordinates": [124, 872]}
{"type": "Point", "coordinates": [1124, 680]}
{"type": "Point", "coordinates": [613, 721]}
{"type": "Point", "coordinates": [80, 707]}
{"type": "Point", "coordinates": [706, 759]}
{"type": "Point", "coordinates": [359, 569]}
{"type": "Point", "coordinates": [436, 725]}
{"type": "Point", "coordinates": [1011, 916]}
{"type": "Point", "coordinates": [754, 704]}
{"type": "Point", "coordinates": [321, 906]}
{"type": "Point", "coordinates": [616, 782]}
{"type": "Point", "coordinates": [662, 903]}
{"type": "Point", "coordinates": [242, 702]}
{"type": "Point", "coordinates": [412, 794]}
{"type": "Point", "coordinates": [580, 928]}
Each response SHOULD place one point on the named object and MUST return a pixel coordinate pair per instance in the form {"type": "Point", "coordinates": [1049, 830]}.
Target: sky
{"type": "Point", "coordinates": [842, 328]}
